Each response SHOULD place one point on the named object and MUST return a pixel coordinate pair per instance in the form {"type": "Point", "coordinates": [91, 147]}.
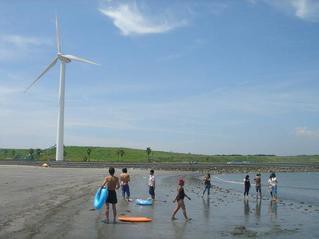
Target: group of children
{"type": "Point", "coordinates": [272, 186]}
{"type": "Point", "coordinates": [113, 183]}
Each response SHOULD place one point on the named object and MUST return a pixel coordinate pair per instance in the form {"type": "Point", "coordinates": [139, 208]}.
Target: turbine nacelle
{"type": "Point", "coordinates": [63, 58]}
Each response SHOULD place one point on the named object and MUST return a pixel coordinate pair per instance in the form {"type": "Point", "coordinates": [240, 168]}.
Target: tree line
{"type": "Point", "coordinates": [37, 154]}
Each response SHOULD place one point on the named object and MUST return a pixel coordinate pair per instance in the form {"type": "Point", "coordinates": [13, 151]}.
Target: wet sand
{"type": "Point", "coordinates": [40, 202]}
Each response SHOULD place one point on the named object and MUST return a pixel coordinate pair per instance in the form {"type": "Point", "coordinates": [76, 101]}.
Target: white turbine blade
{"type": "Point", "coordinates": [76, 58]}
{"type": "Point", "coordinates": [46, 69]}
{"type": "Point", "coordinates": [58, 39]}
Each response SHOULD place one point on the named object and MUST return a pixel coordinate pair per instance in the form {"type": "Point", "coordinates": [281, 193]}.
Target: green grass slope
{"type": "Point", "coordinates": [81, 153]}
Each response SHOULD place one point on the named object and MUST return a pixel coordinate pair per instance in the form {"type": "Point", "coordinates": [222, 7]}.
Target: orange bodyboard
{"type": "Point", "coordinates": [134, 219]}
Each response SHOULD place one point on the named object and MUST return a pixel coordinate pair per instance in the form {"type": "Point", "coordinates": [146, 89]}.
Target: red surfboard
{"type": "Point", "coordinates": [134, 219]}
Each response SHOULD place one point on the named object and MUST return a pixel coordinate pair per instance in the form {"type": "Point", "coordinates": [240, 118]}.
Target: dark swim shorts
{"type": "Point", "coordinates": [151, 191]}
{"type": "Point", "coordinates": [111, 197]}
{"type": "Point", "coordinates": [125, 189]}
{"type": "Point", "coordinates": [258, 188]}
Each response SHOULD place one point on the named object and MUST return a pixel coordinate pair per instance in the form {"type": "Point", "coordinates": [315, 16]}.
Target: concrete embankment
{"type": "Point", "coordinates": [213, 167]}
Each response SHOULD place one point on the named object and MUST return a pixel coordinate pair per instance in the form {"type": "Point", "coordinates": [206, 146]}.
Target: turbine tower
{"type": "Point", "coordinates": [63, 60]}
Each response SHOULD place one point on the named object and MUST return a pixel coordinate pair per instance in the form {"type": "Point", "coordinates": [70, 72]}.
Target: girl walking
{"type": "Point", "coordinates": [179, 199]}
{"type": "Point", "coordinates": [207, 184]}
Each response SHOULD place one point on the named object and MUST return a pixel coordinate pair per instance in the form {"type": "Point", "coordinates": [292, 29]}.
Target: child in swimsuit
{"type": "Point", "coordinates": [180, 200]}
{"type": "Point", "coordinates": [113, 184]}
{"type": "Point", "coordinates": [207, 184]}
{"type": "Point", "coordinates": [247, 185]}
{"type": "Point", "coordinates": [258, 185]}
{"type": "Point", "coordinates": [151, 184]}
{"type": "Point", "coordinates": [125, 178]}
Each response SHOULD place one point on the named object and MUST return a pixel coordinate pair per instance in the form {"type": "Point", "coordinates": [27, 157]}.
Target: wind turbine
{"type": "Point", "coordinates": [63, 60]}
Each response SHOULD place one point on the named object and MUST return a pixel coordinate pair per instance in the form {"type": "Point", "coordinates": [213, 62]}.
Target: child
{"type": "Point", "coordinates": [258, 185]}
{"type": "Point", "coordinates": [270, 185]}
{"type": "Point", "coordinates": [112, 183]}
{"type": "Point", "coordinates": [180, 200]}
{"type": "Point", "coordinates": [273, 183]}
{"type": "Point", "coordinates": [247, 185]}
{"type": "Point", "coordinates": [151, 184]}
{"type": "Point", "coordinates": [124, 179]}
{"type": "Point", "coordinates": [207, 184]}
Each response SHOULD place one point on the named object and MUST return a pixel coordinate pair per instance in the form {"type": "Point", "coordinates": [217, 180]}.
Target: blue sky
{"type": "Point", "coordinates": [211, 77]}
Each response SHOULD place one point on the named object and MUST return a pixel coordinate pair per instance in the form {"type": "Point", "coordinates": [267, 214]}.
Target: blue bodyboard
{"type": "Point", "coordinates": [144, 202]}
{"type": "Point", "coordinates": [100, 198]}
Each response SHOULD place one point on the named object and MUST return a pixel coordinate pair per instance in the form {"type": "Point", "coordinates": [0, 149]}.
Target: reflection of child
{"type": "Point", "coordinates": [124, 179]}
{"type": "Point", "coordinates": [207, 184]}
{"type": "Point", "coordinates": [180, 200]}
{"type": "Point", "coordinates": [273, 209]}
{"type": "Point", "coordinates": [151, 184]}
{"type": "Point", "coordinates": [112, 183]}
{"type": "Point", "coordinates": [247, 185]}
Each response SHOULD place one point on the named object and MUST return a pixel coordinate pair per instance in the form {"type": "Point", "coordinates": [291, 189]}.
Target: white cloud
{"type": "Point", "coordinates": [304, 132]}
{"type": "Point", "coordinates": [307, 10]}
{"type": "Point", "coordinates": [13, 46]}
{"type": "Point", "coordinates": [23, 41]}
{"type": "Point", "coordinates": [5, 90]}
{"type": "Point", "coordinates": [132, 21]}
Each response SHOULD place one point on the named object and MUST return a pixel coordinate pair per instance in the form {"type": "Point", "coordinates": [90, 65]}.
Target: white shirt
{"type": "Point", "coordinates": [272, 182]}
{"type": "Point", "coordinates": [151, 181]}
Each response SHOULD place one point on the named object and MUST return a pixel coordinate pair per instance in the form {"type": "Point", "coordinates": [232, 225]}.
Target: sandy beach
{"type": "Point", "coordinates": [40, 202]}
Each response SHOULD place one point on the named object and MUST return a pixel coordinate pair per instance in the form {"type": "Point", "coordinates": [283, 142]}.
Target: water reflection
{"type": "Point", "coordinates": [179, 229]}
{"type": "Point", "coordinates": [258, 209]}
{"type": "Point", "coordinates": [246, 210]}
{"type": "Point", "coordinates": [206, 205]}
{"type": "Point", "coordinates": [246, 207]}
{"type": "Point", "coordinates": [273, 209]}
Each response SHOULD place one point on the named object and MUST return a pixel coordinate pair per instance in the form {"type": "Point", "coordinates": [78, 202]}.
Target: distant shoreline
{"type": "Point", "coordinates": [216, 168]}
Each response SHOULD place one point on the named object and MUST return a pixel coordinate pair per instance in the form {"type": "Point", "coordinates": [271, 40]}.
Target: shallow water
{"type": "Point", "coordinates": [222, 215]}
{"type": "Point", "coordinates": [295, 187]}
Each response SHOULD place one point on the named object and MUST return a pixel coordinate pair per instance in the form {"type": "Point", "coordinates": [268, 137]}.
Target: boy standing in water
{"type": "Point", "coordinates": [151, 184]}
{"type": "Point", "coordinates": [112, 183]}
{"type": "Point", "coordinates": [269, 185]}
{"type": "Point", "coordinates": [207, 184]}
{"type": "Point", "coordinates": [247, 185]}
{"type": "Point", "coordinates": [273, 186]}
{"type": "Point", "coordinates": [258, 185]}
{"type": "Point", "coordinates": [180, 200]}
{"type": "Point", "coordinates": [124, 179]}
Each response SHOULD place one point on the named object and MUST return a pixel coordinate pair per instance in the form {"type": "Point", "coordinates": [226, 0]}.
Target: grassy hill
{"type": "Point", "coordinates": [79, 153]}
